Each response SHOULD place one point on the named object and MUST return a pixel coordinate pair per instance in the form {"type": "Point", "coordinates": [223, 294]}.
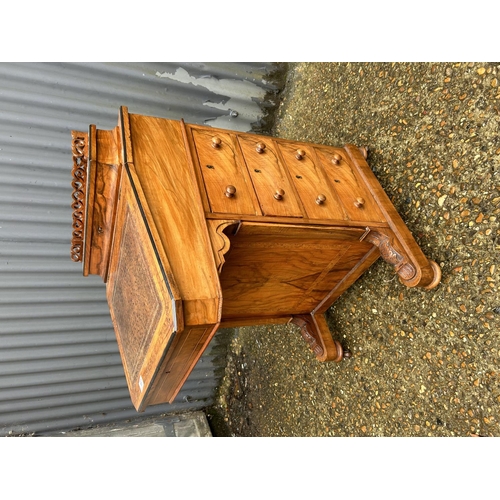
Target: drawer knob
{"type": "Point", "coordinates": [216, 142]}
{"type": "Point", "coordinates": [360, 202]}
{"type": "Point", "coordinates": [260, 147]}
{"type": "Point", "coordinates": [230, 191]}
{"type": "Point", "coordinates": [300, 154]}
{"type": "Point", "coordinates": [336, 159]}
{"type": "Point", "coordinates": [320, 199]}
{"type": "Point", "coordinates": [279, 194]}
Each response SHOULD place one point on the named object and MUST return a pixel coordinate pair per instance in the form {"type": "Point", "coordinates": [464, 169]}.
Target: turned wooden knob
{"type": "Point", "coordinates": [360, 202]}
{"type": "Point", "coordinates": [320, 199]}
{"type": "Point", "coordinates": [279, 194]}
{"type": "Point", "coordinates": [260, 147]}
{"type": "Point", "coordinates": [336, 159]}
{"type": "Point", "coordinates": [216, 142]}
{"type": "Point", "coordinates": [299, 154]}
{"type": "Point", "coordinates": [230, 190]}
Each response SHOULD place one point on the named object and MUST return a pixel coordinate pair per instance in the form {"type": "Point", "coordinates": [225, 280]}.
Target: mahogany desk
{"type": "Point", "coordinates": [194, 228]}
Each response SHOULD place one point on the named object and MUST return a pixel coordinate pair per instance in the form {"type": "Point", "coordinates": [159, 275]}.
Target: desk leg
{"type": "Point", "coordinates": [316, 333]}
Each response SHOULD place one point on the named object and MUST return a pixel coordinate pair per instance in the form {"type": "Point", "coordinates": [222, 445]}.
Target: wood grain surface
{"type": "Point", "coordinates": [221, 166]}
{"type": "Point", "coordinates": [274, 270]}
{"type": "Point", "coordinates": [269, 177]}
{"type": "Point", "coordinates": [173, 206]}
{"type": "Point", "coordinates": [318, 197]}
{"type": "Point", "coordinates": [354, 195]}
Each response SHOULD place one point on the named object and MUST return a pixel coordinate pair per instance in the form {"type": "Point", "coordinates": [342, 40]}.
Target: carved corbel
{"type": "Point", "coordinates": [401, 264]}
{"type": "Point", "coordinates": [315, 332]}
{"type": "Point", "coordinates": [220, 241]}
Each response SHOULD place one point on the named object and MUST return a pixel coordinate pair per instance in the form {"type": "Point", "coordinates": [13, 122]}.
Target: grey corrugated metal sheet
{"type": "Point", "coordinates": [59, 361]}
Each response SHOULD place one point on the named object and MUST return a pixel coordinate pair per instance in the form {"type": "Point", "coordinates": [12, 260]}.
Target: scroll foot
{"type": "Point", "coordinates": [364, 151]}
{"type": "Point", "coordinates": [437, 275]}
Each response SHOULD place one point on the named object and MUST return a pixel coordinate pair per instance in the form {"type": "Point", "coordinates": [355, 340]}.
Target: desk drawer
{"type": "Point", "coordinates": [274, 190]}
{"type": "Point", "coordinates": [227, 184]}
{"type": "Point", "coordinates": [319, 199]}
{"type": "Point", "coordinates": [354, 195]}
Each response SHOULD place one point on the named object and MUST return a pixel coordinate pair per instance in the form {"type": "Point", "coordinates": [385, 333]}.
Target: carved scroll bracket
{"type": "Point", "coordinates": [79, 173]}
{"type": "Point", "coordinates": [402, 266]}
{"type": "Point", "coordinates": [315, 332]}
{"type": "Point", "coordinates": [220, 242]}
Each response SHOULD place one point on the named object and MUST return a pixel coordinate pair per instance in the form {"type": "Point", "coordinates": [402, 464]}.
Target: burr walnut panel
{"type": "Point", "coordinates": [172, 204]}
{"type": "Point", "coordinates": [103, 181]}
{"type": "Point", "coordinates": [304, 263]}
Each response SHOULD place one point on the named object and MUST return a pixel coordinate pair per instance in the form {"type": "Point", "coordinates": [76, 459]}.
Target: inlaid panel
{"type": "Point", "coordinates": [137, 307]}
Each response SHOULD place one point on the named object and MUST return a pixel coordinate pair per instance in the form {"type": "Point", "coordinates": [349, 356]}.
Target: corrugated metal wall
{"type": "Point", "coordinates": [59, 361]}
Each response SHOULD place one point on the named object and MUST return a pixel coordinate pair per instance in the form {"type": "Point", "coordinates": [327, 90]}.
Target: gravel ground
{"type": "Point", "coordinates": [425, 363]}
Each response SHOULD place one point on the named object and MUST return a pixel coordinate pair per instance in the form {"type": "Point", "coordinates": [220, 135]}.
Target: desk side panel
{"type": "Point", "coordinates": [427, 273]}
{"type": "Point", "coordinates": [174, 207]}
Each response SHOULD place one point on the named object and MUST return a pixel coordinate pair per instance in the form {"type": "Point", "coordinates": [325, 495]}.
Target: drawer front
{"type": "Point", "coordinates": [355, 197]}
{"type": "Point", "coordinates": [228, 185]}
{"type": "Point", "coordinates": [319, 199]}
{"type": "Point", "coordinates": [274, 190]}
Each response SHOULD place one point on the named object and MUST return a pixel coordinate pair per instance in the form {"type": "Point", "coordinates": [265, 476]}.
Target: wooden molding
{"type": "Point", "coordinates": [79, 183]}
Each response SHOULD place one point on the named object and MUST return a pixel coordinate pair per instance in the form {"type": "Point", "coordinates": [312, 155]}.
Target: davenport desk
{"type": "Point", "coordinates": [194, 228]}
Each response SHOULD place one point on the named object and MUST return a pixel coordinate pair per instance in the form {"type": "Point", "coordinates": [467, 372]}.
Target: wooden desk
{"type": "Point", "coordinates": [194, 228]}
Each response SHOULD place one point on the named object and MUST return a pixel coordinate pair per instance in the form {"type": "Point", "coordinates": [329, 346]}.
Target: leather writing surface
{"type": "Point", "coordinates": [135, 301]}
{"type": "Point", "coordinates": [143, 310]}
